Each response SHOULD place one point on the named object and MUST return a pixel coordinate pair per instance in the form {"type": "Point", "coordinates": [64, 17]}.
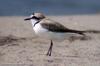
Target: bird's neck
{"type": "Point", "coordinates": [34, 22]}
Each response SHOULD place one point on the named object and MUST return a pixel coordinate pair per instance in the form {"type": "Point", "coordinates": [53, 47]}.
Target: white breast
{"type": "Point", "coordinates": [39, 29]}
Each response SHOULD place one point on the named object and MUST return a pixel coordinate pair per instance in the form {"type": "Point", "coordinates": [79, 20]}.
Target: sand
{"type": "Point", "coordinates": [19, 46]}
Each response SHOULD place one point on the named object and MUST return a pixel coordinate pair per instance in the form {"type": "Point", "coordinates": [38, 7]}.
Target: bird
{"type": "Point", "coordinates": [52, 30]}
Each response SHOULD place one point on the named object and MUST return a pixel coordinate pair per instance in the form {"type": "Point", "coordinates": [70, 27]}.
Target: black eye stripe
{"type": "Point", "coordinates": [34, 17]}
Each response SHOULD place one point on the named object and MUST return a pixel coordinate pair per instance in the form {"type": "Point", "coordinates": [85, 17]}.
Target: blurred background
{"type": "Point", "coordinates": [50, 7]}
{"type": "Point", "coordinates": [20, 45]}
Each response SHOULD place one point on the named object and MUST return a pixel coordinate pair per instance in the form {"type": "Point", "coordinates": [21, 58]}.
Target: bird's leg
{"type": "Point", "coordinates": [50, 49]}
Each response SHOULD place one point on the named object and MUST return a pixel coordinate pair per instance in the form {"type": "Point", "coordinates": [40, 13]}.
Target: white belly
{"type": "Point", "coordinates": [40, 31]}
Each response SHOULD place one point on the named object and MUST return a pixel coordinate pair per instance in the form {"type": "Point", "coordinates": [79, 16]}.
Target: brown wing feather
{"type": "Point", "coordinates": [54, 27]}
{"type": "Point", "coordinates": [57, 27]}
{"type": "Point", "coordinates": [60, 28]}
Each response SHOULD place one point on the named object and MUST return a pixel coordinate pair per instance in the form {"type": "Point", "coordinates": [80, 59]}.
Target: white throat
{"type": "Point", "coordinates": [33, 21]}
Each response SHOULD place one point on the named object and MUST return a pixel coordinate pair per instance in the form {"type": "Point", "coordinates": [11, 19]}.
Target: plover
{"type": "Point", "coordinates": [47, 28]}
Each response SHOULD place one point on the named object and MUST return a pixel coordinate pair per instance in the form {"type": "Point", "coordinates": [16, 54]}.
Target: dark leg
{"type": "Point", "coordinates": [50, 49]}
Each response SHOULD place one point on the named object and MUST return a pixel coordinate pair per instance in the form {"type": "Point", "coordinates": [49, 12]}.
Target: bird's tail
{"type": "Point", "coordinates": [91, 31]}
{"type": "Point", "coordinates": [87, 31]}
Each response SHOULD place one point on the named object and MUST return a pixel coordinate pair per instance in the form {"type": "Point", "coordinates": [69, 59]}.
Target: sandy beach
{"type": "Point", "coordinates": [19, 46]}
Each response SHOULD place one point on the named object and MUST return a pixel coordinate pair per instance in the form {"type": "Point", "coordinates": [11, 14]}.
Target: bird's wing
{"type": "Point", "coordinates": [57, 27]}
{"type": "Point", "coordinates": [54, 27]}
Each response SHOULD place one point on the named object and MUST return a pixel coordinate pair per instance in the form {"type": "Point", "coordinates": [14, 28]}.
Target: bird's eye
{"type": "Point", "coordinates": [33, 16]}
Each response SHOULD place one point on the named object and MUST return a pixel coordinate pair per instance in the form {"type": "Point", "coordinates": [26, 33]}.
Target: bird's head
{"type": "Point", "coordinates": [36, 16]}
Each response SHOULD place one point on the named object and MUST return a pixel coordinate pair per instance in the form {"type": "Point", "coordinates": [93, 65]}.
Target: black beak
{"type": "Point", "coordinates": [27, 19]}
